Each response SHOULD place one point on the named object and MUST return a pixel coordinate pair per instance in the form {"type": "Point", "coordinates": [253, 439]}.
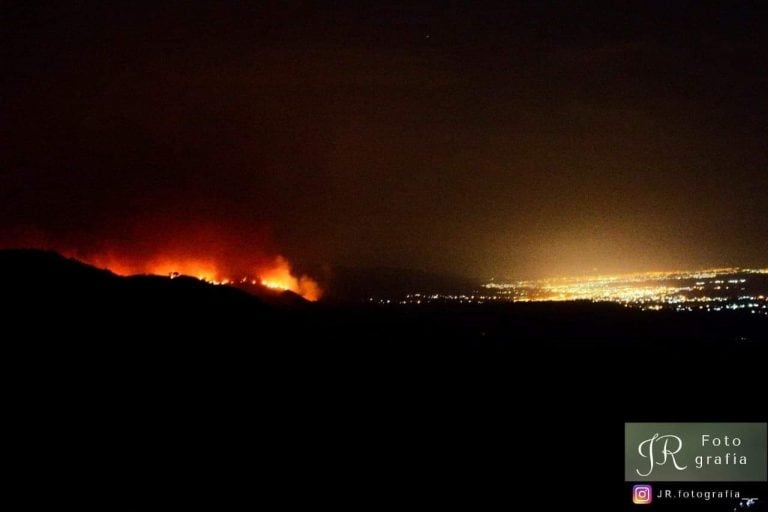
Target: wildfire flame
{"type": "Point", "coordinates": [280, 277]}
{"type": "Point", "coordinates": [276, 275]}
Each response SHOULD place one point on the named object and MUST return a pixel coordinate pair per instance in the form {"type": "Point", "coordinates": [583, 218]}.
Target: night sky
{"type": "Point", "coordinates": [475, 138]}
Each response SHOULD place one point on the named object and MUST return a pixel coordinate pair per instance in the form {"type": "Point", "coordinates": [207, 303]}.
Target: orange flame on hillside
{"type": "Point", "coordinates": [280, 277]}
{"type": "Point", "coordinates": [277, 274]}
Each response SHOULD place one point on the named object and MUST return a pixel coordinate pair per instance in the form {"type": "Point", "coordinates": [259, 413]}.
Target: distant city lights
{"type": "Point", "coordinates": [723, 289]}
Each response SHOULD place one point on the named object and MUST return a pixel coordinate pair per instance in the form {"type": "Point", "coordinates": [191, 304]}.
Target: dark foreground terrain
{"type": "Point", "coordinates": [149, 392]}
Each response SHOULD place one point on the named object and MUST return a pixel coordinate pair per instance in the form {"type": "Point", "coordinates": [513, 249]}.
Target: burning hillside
{"type": "Point", "coordinates": [275, 273]}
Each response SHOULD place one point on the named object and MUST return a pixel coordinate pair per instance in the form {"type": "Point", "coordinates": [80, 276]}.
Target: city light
{"type": "Point", "coordinates": [722, 289]}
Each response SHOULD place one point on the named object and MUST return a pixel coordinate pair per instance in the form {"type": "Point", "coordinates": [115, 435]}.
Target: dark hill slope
{"type": "Point", "coordinates": [154, 391]}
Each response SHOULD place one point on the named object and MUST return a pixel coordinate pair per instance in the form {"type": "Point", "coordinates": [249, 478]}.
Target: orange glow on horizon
{"type": "Point", "coordinates": [205, 270]}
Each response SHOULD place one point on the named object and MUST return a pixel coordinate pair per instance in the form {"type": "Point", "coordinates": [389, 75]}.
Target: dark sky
{"type": "Point", "coordinates": [476, 138]}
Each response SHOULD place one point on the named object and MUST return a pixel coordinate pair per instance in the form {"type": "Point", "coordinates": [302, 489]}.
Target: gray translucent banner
{"type": "Point", "coordinates": [695, 452]}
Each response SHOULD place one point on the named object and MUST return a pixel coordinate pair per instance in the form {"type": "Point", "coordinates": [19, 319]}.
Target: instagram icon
{"type": "Point", "coordinates": [642, 494]}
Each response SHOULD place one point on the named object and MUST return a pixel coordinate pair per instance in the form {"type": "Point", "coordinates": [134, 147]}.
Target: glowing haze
{"type": "Point", "coordinates": [497, 138]}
